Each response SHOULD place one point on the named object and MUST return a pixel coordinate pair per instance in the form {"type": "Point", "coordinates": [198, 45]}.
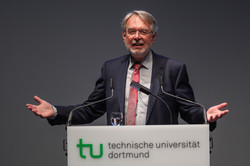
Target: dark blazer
{"type": "Point", "coordinates": [175, 80]}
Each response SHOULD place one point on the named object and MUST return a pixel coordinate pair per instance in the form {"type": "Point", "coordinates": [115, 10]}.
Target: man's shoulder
{"type": "Point", "coordinates": [120, 59]}
{"type": "Point", "coordinates": [166, 60]}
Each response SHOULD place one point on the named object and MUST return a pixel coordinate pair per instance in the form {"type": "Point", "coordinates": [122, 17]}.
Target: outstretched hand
{"type": "Point", "coordinates": [44, 109]}
{"type": "Point", "coordinates": [215, 112]}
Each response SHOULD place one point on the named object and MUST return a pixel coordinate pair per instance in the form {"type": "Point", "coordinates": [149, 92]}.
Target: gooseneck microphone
{"type": "Point", "coordinates": [147, 91]}
{"type": "Point", "coordinates": [95, 102]}
{"type": "Point", "coordinates": [183, 99]}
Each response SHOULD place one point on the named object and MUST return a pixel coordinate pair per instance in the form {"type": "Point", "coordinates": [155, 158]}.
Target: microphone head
{"type": "Point", "coordinates": [135, 85]}
{"type": "Point", "coordinates": [140, 87]}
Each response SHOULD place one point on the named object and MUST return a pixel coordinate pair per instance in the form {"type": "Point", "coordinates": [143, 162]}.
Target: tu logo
{"type": "Point", "coordinates": [90, 146]}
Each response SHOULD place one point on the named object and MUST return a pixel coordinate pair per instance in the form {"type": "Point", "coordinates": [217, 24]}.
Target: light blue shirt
{"type": "Point", "coordinates": [145, 80]}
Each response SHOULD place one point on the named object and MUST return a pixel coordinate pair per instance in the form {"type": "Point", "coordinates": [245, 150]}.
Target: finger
{"type": "Point", "coordinates": [222, 105]}
{"type": "Point", "coordinates": [33, 109]}
{"type": "Point", "coordinates": [29, 106]}
{"type": "Point", "coordinates": [210, 119]}
{"type": "Point", "coordinates": [224, 112]}
{"type": "Point", "coordinates": [218, 116]}
{"type": "Point", "coordinates": [38, 99]}
{"type": "Point", "coordinates": [213, 118]}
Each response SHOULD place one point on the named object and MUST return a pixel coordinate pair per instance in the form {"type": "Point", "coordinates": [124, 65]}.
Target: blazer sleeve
{"type": "Point", "coordinates": [191, 113]}
{"type": "Point", "coordinates": [86, 114]}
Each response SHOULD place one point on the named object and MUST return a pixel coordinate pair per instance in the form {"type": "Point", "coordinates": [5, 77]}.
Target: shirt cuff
{"type": "Point", "coordinates": [55, 113]}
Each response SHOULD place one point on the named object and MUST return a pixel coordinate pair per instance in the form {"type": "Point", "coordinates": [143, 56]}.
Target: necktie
{"type": "Point", "coordinates": [133, 95]}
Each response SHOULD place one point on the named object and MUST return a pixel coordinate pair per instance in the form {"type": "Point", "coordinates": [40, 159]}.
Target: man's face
{"type": "Point", "coordinates": [138, 37]}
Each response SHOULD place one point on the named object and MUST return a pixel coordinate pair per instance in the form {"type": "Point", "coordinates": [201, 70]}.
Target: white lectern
{"type": "Point", "coordinates": [159, 145]}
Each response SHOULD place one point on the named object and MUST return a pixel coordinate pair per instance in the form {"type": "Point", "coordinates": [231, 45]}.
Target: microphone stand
{"type": "Point", "coordinates": [147, 91]}
{"type": "Point", "coordinates": [95, 102]}
{"type": "Point", "coordinates": [183, 99]}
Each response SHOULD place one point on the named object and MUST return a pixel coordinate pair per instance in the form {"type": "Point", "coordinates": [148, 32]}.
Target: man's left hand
{"type": "Point", "coordinates": [215, 112]}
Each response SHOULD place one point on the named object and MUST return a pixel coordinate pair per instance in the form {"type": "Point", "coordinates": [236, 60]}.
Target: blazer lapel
{"type": "Point", "coordinates": [121, 82]}
{"type": "Point", "coordinates": [158, 68]}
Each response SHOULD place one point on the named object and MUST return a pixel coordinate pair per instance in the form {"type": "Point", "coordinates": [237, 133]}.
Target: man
{"type": "Point", "coordinates": [144, 66]}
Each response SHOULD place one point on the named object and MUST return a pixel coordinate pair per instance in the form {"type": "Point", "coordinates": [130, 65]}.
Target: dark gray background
{"type": "Point", "coordinates": [55, 49]}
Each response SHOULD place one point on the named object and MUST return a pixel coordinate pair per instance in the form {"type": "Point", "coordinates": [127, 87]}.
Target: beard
{"type": "Point", "coordinates": [137, 53]}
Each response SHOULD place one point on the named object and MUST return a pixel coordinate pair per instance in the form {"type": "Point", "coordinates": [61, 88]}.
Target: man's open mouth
{"type": "Point", "coordinates": [137, 44]}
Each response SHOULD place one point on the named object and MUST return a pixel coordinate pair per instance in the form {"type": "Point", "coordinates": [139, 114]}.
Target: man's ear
{"type": "Point", "coordinates": [154, 37]}
{"type": "Point", "coordinates": [123, 35]}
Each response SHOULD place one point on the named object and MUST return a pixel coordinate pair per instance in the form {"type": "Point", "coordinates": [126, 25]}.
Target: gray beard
{"type": "Point", "coordinates": [140, 54]}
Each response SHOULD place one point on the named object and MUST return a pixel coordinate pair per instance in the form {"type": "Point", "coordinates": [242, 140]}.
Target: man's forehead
{"type": "Point", "coordinates": [135, 21]}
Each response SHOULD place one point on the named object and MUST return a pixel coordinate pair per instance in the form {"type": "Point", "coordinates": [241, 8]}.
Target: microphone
{"type": "Point", "coordinates": [95, 102]}
{"type": "Point", "coordinates": [140, 88]}
{"type": "Point", "coordinates": [147, 91]}
{"type": "Point", "coordinates": [183, 99]}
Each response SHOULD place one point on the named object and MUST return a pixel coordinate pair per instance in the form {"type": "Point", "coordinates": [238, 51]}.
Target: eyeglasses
{"type": "Point", "coordinates": [142, 32]}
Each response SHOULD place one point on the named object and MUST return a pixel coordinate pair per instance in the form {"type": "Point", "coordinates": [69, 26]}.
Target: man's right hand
{"type": "Point", "coordinates": [44, 109]}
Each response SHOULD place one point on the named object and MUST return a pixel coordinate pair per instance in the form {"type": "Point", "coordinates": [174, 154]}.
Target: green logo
{"type": "Point", "coordinates": [90, 146]}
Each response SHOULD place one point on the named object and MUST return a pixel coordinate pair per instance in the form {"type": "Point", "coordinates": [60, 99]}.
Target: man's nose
{"type": "Point", "coordinates": [137, 35]}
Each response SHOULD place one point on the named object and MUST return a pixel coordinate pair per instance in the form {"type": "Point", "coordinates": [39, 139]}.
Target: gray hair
{"type": "Point", "coordinates": [145, 16]}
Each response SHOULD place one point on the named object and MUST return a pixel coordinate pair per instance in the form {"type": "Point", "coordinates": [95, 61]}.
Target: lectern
{"type": "Point", "coordinates": [156, 145]}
